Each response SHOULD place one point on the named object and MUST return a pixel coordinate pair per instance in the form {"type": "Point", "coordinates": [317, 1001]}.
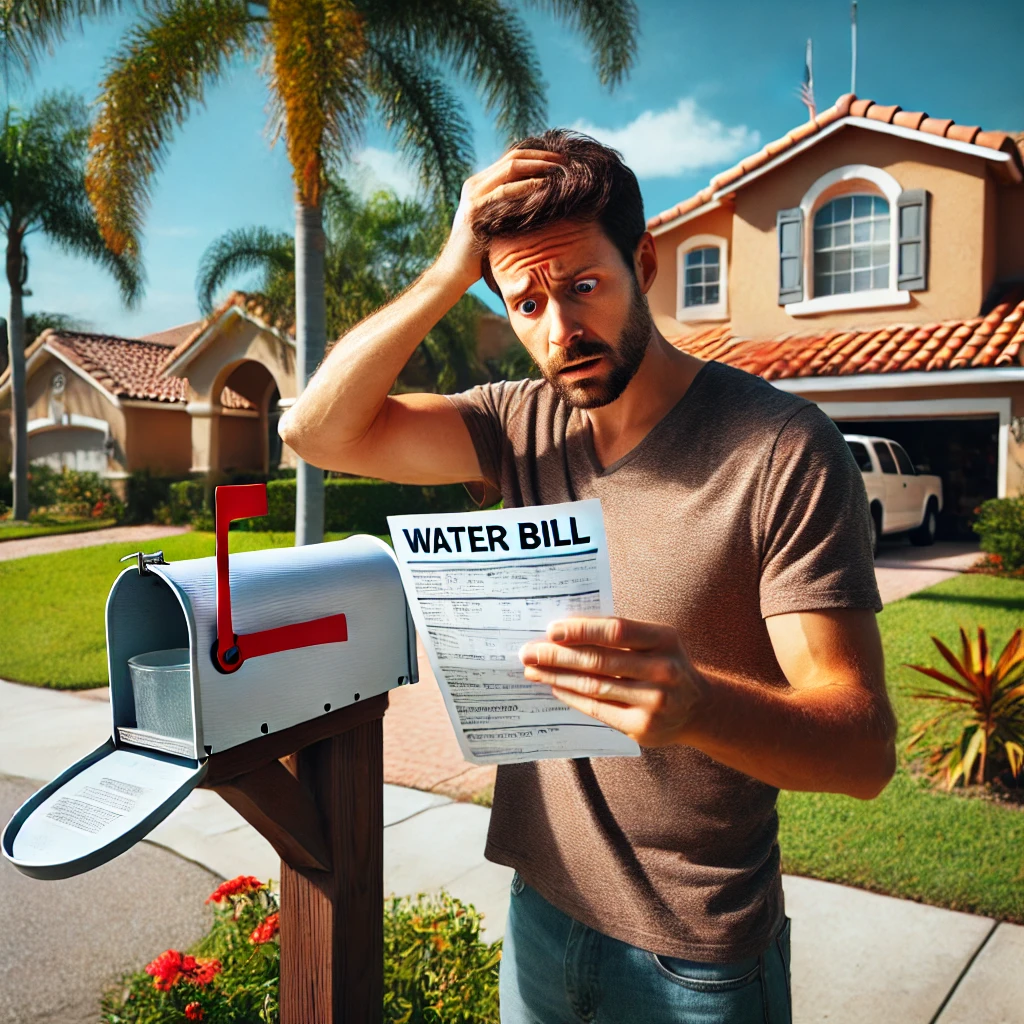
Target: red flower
{"type": "Point", "coordinates": [235, 887]}
{"type": "Point", "coordinates": [170, 967]}
{"type": "Point", "coordinates": [194, 1012]}
{"type": "Point", "coordinates": [204, 972]}
{"type": "Point", "coordinates": [265, 930]}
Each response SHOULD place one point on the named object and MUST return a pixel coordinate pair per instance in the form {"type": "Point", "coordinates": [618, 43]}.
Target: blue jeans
{"type": "Point", "coordinates": [555, 970]}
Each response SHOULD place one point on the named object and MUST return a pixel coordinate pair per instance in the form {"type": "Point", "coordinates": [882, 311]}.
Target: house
{"type": "Point", "coordinates": [204, 397]}
{"type": "Point", "coordinates": [871, 260]}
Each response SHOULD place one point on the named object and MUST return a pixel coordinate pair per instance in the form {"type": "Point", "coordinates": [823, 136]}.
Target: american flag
{"type": "Point", "coordinates": [807, 86]}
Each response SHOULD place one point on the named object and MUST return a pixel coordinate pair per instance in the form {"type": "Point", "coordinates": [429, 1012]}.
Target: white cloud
{"type": "Point", "coordinates": [373, 169]}
{"type": "Point", "coordinates": [662, 144]}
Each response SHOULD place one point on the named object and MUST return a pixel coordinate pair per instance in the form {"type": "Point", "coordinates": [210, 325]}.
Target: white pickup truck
{"type": "Point", "coordinates": [900, 498]}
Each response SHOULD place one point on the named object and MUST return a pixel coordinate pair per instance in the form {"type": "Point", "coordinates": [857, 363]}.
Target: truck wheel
{"type": "Point", "coordinates": [924, 535]}
{"type": "Point", "coordinates": [876, 529]}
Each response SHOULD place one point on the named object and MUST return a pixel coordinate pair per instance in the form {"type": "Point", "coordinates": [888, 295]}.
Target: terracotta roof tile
{"type": "Point", "coordinates": [994, 340]}
{"type": "Point", "coordinates": [127, 368]}
{"type": "Point", "coordinates": [909, 119]}
{"type": "Point", "coordinates": [847, 105]}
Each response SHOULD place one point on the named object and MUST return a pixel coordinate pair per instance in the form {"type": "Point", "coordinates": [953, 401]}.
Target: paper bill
{"type": "Point", "coordinates": [480, 585]}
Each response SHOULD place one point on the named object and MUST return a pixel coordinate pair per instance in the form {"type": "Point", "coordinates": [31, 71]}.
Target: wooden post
{"type": "Point", "coordinates": [332, 931]}
{"type": "Point", "coordinates": [326, 819]}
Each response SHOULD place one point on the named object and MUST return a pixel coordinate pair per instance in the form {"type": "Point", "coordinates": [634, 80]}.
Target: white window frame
{"type": "Point", "coordinates": [875, 298]}
{"type": "Point", "coordinates": [718, 310]}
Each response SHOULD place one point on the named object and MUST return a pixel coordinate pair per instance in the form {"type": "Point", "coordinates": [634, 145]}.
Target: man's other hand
{"type": "Point", "coordinates": [633, 676]}
{"type": "Point", "coordinates": [514, 173]}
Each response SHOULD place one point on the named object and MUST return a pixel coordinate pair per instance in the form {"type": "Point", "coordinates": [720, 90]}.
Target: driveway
{"type": "Point", "coordinates": [902, 569]}
{"type": "Point", "coordinates": [68, 541]}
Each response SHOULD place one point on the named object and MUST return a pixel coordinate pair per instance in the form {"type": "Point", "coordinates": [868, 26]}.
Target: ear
{"type": "Point", "coordinates": [645, 261]}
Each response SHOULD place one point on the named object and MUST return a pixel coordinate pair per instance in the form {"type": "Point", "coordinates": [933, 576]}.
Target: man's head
{"type": "Point", "coordinates": [571, 260]}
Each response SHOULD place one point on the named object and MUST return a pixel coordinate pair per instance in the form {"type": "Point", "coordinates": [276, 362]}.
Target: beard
{"type": "Point", "coordinates": [624, 359]}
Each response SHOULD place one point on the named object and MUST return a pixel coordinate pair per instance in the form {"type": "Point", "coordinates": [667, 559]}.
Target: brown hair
{"type": "Point", "coordinates": [592, 185]}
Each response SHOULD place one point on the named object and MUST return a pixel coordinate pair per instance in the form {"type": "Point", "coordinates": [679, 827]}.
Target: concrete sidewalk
{"type": "Point", "coordinates": [857, 956]}
{"type": "Point", "coordinates": [902, 569]}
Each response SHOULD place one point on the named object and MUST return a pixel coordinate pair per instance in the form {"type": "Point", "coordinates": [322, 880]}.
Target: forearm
{"type": "Point", "coordinates": [834, 737]}
{"type": "Point", "coordinates": [347, 393]}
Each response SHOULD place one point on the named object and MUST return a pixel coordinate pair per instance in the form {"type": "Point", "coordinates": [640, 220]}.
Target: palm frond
{"type": "Point", "coordinates": [610, 26]}
{"type": "Point", "coordinates": [318, 100]}
{"type": "Point", "coordinates": [242, 251]}
{"type": "Point", "coordinates": [150, 87]}
{"type": "Point", "coordinates": [482, 40]}
{"type": "Point", "coordinates": [69, 221]}
{"type": "Point", "coordinates": [431, 128]}
{"type": "Point", "coordinates": [31, 28]}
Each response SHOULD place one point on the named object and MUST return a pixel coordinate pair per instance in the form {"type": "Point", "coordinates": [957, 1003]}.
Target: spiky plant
{"type": "Point", "coordinates": [984, 700]}
{"type": "Point", "coordinates": [42, 188]}
{"type": "Point", "coordinates": [329, 66]}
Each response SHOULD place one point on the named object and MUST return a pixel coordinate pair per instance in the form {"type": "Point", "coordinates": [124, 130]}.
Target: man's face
{"type": "Point", "coordinates": [577, 307]}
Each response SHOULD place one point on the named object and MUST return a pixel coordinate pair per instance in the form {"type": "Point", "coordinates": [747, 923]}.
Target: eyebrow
{"type": "Point", "coordinates": [520, 292]}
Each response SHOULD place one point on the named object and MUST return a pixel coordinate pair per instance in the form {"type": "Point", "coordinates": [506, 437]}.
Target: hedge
{"type": "Point", "coordinates": [360, 506]}
{"type": "Point", "coordinates": [1000, 527]}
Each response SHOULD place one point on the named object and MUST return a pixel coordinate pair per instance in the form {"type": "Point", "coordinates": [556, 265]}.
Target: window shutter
{"type": "Point", "coordinates": [912, 210]}
{"type": "Point", "coordinates": [790, 227]}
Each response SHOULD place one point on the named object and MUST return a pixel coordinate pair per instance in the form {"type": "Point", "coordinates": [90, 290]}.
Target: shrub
{"type": "Point", "coordinates": [436, 968]}
{"type": "Point", "coordinates": [42, 485]}
{"type": "Point", "coordinates": [984, 702]}
{"type": "Point", "coordinates": [186, 500]}
{"type": "Point", "coordinates": [360, 506]}
{"type": "Point", "coordinates": [1000, 525]}
{"type": "Point", "coordinates": [145, 496]}
{"type": "Point", "coordinates": [85, 495]}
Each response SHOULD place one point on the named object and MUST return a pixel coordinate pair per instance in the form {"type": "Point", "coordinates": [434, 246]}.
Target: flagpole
{"type": "Point", "coordinates": [853, 48]}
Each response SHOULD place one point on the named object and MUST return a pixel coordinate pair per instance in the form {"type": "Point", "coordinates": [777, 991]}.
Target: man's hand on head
{"type": "Point", "coordinates": [516, 172]}
{"type": "Point", "coordinates": [633, 676]}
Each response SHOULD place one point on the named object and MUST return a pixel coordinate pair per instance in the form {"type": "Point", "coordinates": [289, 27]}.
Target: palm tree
{"type": "Point", "coordinates": [328, 65]}
{"type": "Point", "coordinates": [375, 248]}
{"type": "Point", "coordinates": [42, 188]}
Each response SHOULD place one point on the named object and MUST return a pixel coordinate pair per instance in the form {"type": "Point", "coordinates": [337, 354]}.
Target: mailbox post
{"type": "Point", "coordinates": [286, 657]}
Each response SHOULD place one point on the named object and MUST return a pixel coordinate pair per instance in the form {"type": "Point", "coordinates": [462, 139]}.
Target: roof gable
{"type": "Point", "coordinates": [998, 146]}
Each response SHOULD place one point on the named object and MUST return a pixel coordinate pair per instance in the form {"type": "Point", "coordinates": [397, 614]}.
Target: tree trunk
{"type": "Point", "coordinates": [19, 396]}
{"type": "Point", "coordinates": [310, 341]}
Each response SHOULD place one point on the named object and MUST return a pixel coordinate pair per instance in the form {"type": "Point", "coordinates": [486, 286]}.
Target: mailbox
{"type": "Point", "coordinates": [207, 654]}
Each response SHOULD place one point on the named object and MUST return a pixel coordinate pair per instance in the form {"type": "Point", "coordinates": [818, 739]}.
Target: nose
{"type": "Point", "coordinates": [563, 329]}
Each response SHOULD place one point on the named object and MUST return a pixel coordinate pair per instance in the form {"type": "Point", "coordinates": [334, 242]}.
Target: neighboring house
{"type": "Point", "coordinates": [203, 397]}
{"type": "Point", "coordinates": [872, 260]}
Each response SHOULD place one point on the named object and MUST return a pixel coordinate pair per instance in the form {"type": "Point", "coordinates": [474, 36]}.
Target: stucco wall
{"type": "Point", "coordinates": [79, 398]}
{"type": "Point", "coordinates": [664, 291]}
{"type": "Point", "coordinates": [159, 439]}
{"type": "Point", "coordinates": [1010, 232]}
{"type": "Point", "coordinates": [962, 263]}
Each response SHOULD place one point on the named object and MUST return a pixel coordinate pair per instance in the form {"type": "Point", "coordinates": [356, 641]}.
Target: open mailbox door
{"type": "Point", "coordinates": [276, 639]}
{"type": "Point", "coordinates": [97, 809]}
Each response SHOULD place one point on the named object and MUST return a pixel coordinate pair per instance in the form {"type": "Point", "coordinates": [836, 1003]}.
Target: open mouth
{"type": "Point", "coordinates": [580, 368]}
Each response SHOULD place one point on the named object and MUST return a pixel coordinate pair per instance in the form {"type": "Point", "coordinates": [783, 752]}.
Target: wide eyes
{"type": "Point", "coordinates": [584, 287]}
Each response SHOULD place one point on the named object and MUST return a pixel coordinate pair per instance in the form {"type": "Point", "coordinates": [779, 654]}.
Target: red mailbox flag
{"type": "Point", "coordinates": [243, 501]}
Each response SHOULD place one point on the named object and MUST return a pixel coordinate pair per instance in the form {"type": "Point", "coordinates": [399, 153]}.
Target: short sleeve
{"type": "Point", "coordinates": [482, 409]}
{"type": "Point", "coordinates": [815, 524]}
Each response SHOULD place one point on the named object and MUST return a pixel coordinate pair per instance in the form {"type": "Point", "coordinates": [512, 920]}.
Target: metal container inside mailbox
{"type": "Point", "coordinates": [271, 639]}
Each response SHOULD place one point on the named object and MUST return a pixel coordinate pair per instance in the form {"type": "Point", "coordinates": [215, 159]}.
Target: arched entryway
{"type": "Point", "coordinates": [248, 440]}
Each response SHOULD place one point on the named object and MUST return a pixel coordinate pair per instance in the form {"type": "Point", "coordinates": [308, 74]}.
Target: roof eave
{"type": "Point", "coordinates": [1001, 157]}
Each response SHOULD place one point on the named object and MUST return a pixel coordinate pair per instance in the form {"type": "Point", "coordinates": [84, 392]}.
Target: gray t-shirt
{"type": "Point", "coordinates": [741, 503]}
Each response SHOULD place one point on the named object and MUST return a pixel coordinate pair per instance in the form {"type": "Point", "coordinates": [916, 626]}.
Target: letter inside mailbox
{"type": "Point", "coordinates": [206, 654]}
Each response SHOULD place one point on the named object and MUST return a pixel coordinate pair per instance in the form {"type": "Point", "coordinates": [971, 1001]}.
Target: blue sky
{"type": "Point", "coordinates": [711, 84]}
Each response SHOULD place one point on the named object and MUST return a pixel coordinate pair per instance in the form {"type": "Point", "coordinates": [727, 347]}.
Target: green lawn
{"type": "Point", "coordinates": [51, 606]}
{"type": "Point", "coordinates": [16, 530]}
{"type": "Point", "coordinates": [956, 852]}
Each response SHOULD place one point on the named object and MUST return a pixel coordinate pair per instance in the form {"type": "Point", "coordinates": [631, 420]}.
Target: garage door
{"type": "Point", "coordinates": [963, 452]}
{"type": "Point", "coordinates": [69, 448]}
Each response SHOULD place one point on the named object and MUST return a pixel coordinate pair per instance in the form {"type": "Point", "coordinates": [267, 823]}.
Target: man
{"type": "Point", "coordinates": [745, 657]}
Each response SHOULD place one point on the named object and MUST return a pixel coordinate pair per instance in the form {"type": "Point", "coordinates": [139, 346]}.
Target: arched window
{"type": "Point", "coordinates": [852, 245]}
{"type": "Point", "coordinates": [702, 268]}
